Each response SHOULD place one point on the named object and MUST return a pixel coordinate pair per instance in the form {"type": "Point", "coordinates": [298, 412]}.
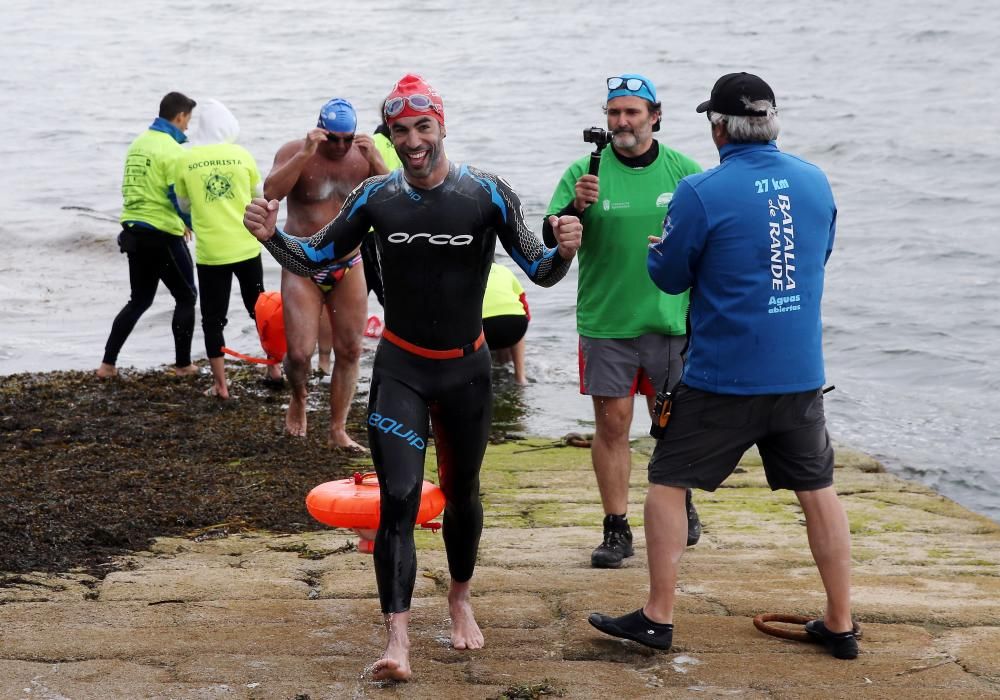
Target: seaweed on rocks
{"type": "Point", "coordinates": [91, 469]}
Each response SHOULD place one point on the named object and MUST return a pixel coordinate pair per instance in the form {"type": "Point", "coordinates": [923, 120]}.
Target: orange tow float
{"type": "Point", "coordinates": [270, 318]}
{"type": "Point", "coordinates": [270, 327]}
{"type": "Point", "coordinates": [354, 503]}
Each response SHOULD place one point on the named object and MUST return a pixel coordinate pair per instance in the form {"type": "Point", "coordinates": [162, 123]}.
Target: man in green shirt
{"type": "Point", "coordinates": [154, 234]}
{"type": "Point", "coordinates": [631, 334]}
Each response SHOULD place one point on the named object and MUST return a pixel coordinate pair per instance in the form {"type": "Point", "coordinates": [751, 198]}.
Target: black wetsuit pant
{"type": "Point", "coordinates": [155, 255]}
{"type": "Point", "coordinates": [456, 397]}
{"type": "Point", "coordinates": [216, 283]}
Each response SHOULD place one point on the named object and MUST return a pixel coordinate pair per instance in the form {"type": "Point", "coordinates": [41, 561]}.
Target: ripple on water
{"type": "Point", "coordinates": [910, 296]}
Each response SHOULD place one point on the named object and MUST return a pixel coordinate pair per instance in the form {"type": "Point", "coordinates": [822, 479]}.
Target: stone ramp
{"type": "Point", "coordinates": [257, 615]}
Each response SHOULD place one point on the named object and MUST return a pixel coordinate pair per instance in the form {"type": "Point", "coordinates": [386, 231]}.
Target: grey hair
{"type": "Point", "coordinates": [741, 129]}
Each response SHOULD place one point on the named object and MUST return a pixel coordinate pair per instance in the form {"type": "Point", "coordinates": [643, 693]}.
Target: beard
{"type": "Point", "coordinates": [625, 139]}
{"type": "Point", "coordinates": [430, 162]}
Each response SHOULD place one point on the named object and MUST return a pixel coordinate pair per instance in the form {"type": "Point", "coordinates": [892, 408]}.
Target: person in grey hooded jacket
{"type": "Point", "coordinates": [215, 180]}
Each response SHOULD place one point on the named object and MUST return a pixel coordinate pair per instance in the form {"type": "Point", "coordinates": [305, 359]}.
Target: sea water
{"type": "Point", "coordinates": [896, 101]}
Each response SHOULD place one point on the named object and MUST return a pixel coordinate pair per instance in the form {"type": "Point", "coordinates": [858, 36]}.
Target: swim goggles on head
{"type": "Point", "coordinates": [419, 103]}
{"type": "Point", "coordinates": [631, 84]}
{"type": "Point", "coordinates": [337, 139]}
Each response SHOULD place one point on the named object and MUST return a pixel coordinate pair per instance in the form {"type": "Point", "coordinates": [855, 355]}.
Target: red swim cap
{"type": "Point", "coordinates": [412, 96]}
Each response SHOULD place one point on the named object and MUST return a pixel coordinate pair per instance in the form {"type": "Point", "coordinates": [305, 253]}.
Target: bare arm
{"type": "Point", "coordinates": [289, 162]}
{"type": "Point", "coordinates": [367, 148]}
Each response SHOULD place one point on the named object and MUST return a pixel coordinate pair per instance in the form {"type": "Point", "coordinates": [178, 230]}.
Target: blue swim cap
{"type": "Point", "coordinates": [338, 115]}
{"type": "Point", "coordinates": [631, 85]}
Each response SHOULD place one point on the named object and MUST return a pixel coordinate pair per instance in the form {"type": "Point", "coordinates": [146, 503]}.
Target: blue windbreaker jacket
{"type": "Point", "coordinates": [751, 238]}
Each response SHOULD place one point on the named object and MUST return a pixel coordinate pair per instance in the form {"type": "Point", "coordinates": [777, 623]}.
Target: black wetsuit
{"type": "Point", "coordinates": [435, 248]}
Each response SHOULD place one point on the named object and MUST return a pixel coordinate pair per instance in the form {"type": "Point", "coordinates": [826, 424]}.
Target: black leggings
{"type": "Point", "coordinates": [216, 283]}
{"type": "Point", "coordinates": [456, 396]}
{"type": "Point", "coordinates": [153, 256]}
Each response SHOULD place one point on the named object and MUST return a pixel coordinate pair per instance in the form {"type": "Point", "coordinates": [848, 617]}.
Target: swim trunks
{"type": "Point", "coordinates": [327, 278]}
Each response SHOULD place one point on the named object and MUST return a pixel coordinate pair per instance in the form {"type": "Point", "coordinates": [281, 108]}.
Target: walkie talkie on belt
{"type": "Point", "coordinates": [664, 403]}
{"type": "Point", "coordinates": [661, 413]}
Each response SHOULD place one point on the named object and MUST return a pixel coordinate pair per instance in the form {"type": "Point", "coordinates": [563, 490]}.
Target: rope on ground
{"type": "Point", "coordinates": [567, 440]}
{"type": "Point", "coordinates": [762, 620]}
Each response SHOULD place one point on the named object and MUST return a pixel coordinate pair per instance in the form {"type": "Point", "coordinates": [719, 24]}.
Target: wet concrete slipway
{"type": "Point", "coordinates": [258, 614]}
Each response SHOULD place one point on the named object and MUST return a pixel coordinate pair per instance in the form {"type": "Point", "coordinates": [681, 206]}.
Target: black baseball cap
{"type": "Point", "coordinates": [729, 91]}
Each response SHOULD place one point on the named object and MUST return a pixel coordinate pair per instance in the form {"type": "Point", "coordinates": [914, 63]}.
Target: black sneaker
{"type": "Point", "coordinates": [842, 645]}
{"type": "Point", "coordinates": [617, 544]}
{"type": "Point", "coordinates": [635, 626]}
{"type": "Point", "coordinates": [694, 523]}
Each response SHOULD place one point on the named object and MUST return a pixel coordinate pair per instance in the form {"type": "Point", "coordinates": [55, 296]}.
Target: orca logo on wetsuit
{"type": "Point", "coordinates": [433, 239]}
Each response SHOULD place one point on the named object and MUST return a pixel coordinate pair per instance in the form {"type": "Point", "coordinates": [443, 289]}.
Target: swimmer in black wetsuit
{"type": "Point", "coordinates": [436, 225]}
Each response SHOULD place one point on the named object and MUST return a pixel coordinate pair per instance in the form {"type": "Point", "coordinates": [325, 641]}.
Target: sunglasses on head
{"type": "Point", "coordinates": [419, 103]}
{"type": "Point", "coordinates": [631, 84]}
{"type": "Point", "coordinates": [337, 139]}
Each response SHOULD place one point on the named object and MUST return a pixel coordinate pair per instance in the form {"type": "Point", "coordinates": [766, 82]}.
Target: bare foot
{"type": "Point", "coordinates": [387, 669]}
{"type": "Point", "coordinates": [339, 439]}
{"type": "Point", "coordinates": [395, 662]}
{"type": "Point", "coordinates": [188, 371]}
{"type": "Point", "coordinates": [295, 416]}
{"type": "Point", "coordinates": [106, 371]}
{"type": "Point", "coordinates": [465, 633]}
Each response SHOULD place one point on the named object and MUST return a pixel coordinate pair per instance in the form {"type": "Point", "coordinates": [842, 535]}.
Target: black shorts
{"type": "Point", "coordinates": [504, 331]}
{"type": "Point", "coordinates": [708, 434]}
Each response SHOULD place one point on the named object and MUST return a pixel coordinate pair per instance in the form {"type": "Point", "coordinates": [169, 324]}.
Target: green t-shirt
{"type": "Point", "coordinates": [219, 180]}
{"type": "Point", "coordinates": [149, 172]}
{"type": "Point", "coordinates": [615, 297]}
{"type": "Point", "coordinates": [503, 293]}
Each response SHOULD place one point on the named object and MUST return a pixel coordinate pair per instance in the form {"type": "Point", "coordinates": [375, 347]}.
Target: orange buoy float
{"type": "Point", "coordinates": [354, 503]}
{"type": "Point", "coordinates": [270, 327]}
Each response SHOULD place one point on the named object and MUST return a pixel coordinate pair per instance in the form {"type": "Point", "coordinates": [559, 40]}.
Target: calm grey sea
{"type": "Point", "coordinates": [896, 100]}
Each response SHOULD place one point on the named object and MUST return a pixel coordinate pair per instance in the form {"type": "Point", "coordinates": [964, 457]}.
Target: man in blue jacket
{"type": "Point", "coordinates": [750, 238]}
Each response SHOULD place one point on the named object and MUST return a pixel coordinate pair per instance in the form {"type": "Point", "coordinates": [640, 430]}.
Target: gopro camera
{"type": "Point", "coordinates": [597, 136]}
